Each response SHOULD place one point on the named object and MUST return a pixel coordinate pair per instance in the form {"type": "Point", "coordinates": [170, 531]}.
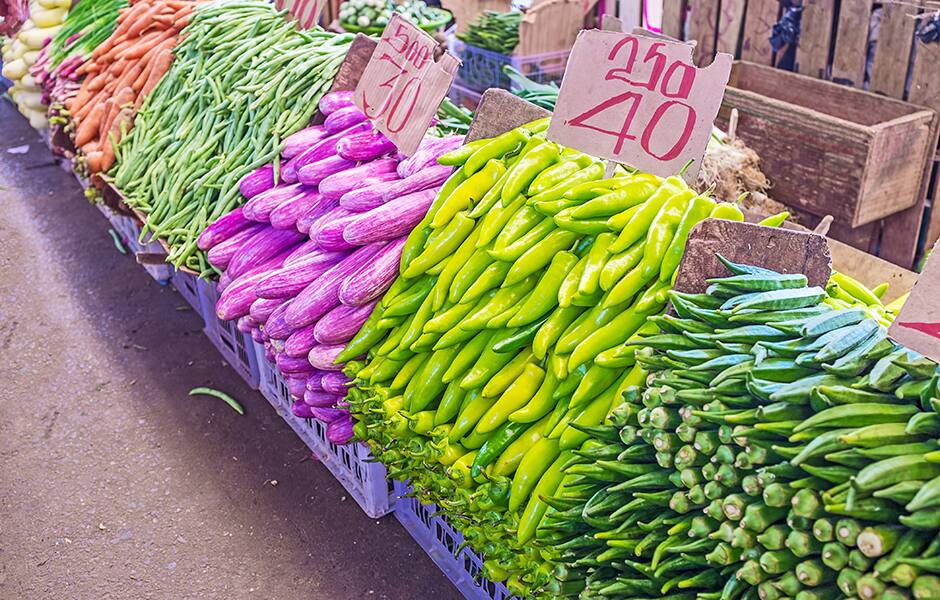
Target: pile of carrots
{"type": "Point", "coordinates": [121, 73]}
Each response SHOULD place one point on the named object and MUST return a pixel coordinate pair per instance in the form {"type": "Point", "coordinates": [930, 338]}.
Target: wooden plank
{"type": "Point", "coordinates": [898, 245]}
{"type": "Point", "coordinates": [703, 27]}
{"type": "Point", "coordinates": [500, 111]}
{"type": "Point", "coordinates": [871, 270]}
{"type": "Point", "coordinates": [851, 50]}
{"type": "Point", "coordinates": [758, 24]}
{"type": "Point", "coordinates": [893, 51]}
{"type": "Point", "coordinates": [674, 18]}
{"type": "Point", "coordinates": [812, 56]}
{"type": "Point", "coordinates": [730, 19]}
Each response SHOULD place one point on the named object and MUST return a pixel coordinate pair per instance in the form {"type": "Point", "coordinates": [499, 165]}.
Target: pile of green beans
{"type": "Point", "coordinates": [93, 21]}
{"type": "Point", "coordinates": [784, 448]}
{"type": "Point", "coordinates": [494, 31]}
{"type": "Point", "coordinates": [244, 78]}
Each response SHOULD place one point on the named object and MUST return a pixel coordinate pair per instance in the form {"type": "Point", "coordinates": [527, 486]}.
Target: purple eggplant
{"type": "Point", "coordinates": [257, 336]}
{"type": "Point", "coordinates": [261, 247]}
{"type": "Point", "coordinates": [296, 387]}
{"type": "Point", "coordinates": [325, 148]}
{"type": "Point", "coordinates": [320, 399]}
{"type": "Point", "coordinates": [432, 177]}
{"type": "Point", "coordinates": [290, 280]}
{"type": "Point", "coordinates": [259, 208]}
{"type": "Point", "coordinates": [336, 185]}
{"type": "Point", "coordinates": [363, 146]}
{"type": "Point", "coordinates": [343, 118]}
{"type": "Point", "coordinates": [290, 366]}
{"type": "Point", "coordinates": [236, 299]}
{"type": "Point", "coordinates": [300, 252]}
{"type": "Point", "coordinates": [286, 214]}
{"type": "Point", "coordinates": [268, 351]}
{"type": "Point", "coordinates": [328, 415]}
{"type": "Point", "coordinates": [259, 180]}
{"type": "Point", "coordinates": [221, 254]}
{"type": "Point", "coordinates": [313, 381]}
{"type": "Point", "coordinates": [314, 173]}
{"type": "Point", "coordinates": [342, 323]}
{"type": "Point", "coordinates": [301, 410]}
{"type": "Point", "coordinates": [333, 101]}
{"type": "Point", "coordinates": [374, 278]}
{"type": "Point", "coordinates": [276, 328]}
{"type": "Point", "coordinates": [323, 356]}
{"type": "Point", "coordinates": [223, 229]}
{"type": "Point", "coordinates": [261, 309]}
{"type": "Point", "coordinates": [325, 219]}
{"type": "Point", "coordinates": [246, 324]}
{"type": "Point", "coordinates": [322, 295]}
{"type": "Point", "coordinates": [335, 382]}
{"type": "Point", "coordinates": [340, 431]}
{"type": "Point", "coordinates": [300, 342]}
{"type": "Point", "coordinates": [313, 215]}
{"type": "Point", "coordinates": [391, 220]}
{"type": "Point", "coordinates": [330, 236]}
{"type": "Point", "coordinates": [296, 143]}
{"type": "Point", "coordinates": [428, 152]}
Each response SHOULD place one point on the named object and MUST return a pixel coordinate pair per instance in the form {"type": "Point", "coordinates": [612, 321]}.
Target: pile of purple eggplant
{"type": "Point", "coordinates": [306, 258]}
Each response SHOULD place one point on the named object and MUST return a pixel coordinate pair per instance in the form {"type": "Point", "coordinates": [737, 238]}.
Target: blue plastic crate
{"type": "Point", "coordinates": [188, 287]}
{"type": "Point", "coordinates": [351, 464]}
{"type": "Point", "coordinates": [129, 231]}
{"type": "Point", "coordinates": [237, 348]}
{"type": "Point", "coordinates": [483, 69]}
{"type": "Point", "coordinates": [441, 541]}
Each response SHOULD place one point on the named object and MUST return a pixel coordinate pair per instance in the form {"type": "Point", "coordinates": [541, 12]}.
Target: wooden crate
{"type": "Point", "coordinates": [835, 44]}
{"type": "Point", "coordinates": [828, 149]}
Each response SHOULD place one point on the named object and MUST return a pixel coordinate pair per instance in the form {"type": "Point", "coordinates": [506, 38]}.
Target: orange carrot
{"type": "Point", "coordinates": [161, 65]}
{"type": "Point", "coordinates": [89, 127]}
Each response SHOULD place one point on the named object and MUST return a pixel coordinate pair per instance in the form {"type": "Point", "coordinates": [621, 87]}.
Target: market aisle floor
{"type": "Point", "coordinates": [114, 483]}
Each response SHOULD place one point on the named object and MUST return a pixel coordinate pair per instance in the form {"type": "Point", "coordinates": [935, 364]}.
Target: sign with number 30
{"type": "Point", "coordinates": [638, 100]}
{"type": "Point", "coordinates": [403, 84]}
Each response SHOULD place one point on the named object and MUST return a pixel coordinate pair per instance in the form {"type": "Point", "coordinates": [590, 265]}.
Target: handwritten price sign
{"type": "Point", "coordinates": [305, 12]}
{"type": "Point", "coordinates": [638, 100]}
{"type": "Point", "coordinates": [403, 84]}
{"type": "Point", "coordinates": [918, 324]}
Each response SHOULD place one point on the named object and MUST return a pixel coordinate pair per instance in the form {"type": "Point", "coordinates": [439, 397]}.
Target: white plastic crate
{"type": "Point", "coordinates": [236, 347]}
{"type": "Point", "coordinates": [129, 231]}
{"type": "Point", "coordinates": [351, 464]}
{"type": "Point", "coordinates": [441, 541]}
{"type": "Point", "coordinates": [188, 287]}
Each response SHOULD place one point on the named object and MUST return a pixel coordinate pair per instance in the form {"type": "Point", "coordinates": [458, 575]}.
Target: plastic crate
{"type": "Point", "coordinates": [237, 348]}
{"type": "Point", "coordinates": [351, 464]}
{"type": "Point", "coordinates": [129, 231]}
{"type": "Point", "coordinates": [464, 97]}
{"type": "Point", "coordinates": [483, 69]}
{"type": "Point", "coordinates": [188, 287]}
{"type": "Point", "coordinates": [441, 541]}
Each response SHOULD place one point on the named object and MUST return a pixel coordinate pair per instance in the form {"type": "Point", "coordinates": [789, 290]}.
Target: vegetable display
{"type": "Point", "coordinates": [527, 273]}
{"type": "Point", "coordinates": [784, 447]}
{"type": "Point", "coordinates": [372, 16]}
{"type": "Point", "coordinates": [121, 73]}
{"type": "Point", "coordinates": [87, 26]}
{"type": "Point", "coordinates": [243, 80]}
{"type": "Point", "coordinates": [304, 261]}
{"type": "Point", "coordinates": [494, 31]}
{"type": "Point", "coordinates": [21, 52]}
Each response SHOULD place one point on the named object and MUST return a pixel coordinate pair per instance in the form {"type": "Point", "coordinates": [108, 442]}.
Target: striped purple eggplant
{"type": "Point", "coordinates": [342, 323]}
{"type": "Point", "coordinates": [320, 399]}
{"type": "Point", "coordinates": [221, 254]}
{"type": "Point", "coordinates": [327, 218]}
{"type": "Point", "coordinates": [322, 295]}
{"type": "Point", "coordinates": [428, 153]}
{"type": "Point", "coordinates": [268, 243]}
{"type": "Point", "coordinates": [285, 215]}
{"type": "Point", "coordinates": [335, 382]}
{"type": "Point", "coordinates": [296, 387]}
{"type": "Point", "coordinates": [330, 236]}
{"type": "Point", "coordinates": [313, 381]}
{"type": "Point", "coordinates": [323, 356]}
{"type": "Point", "coordinates": [340, 431]}
{"type": "Point", "coordinates": [296, 143]}
{"type": "Point", "coordinates": [333, 101]}
{"type": "Point", "coordinates": [374, 278]}
{"type": "Point", "coordinates": [246, 324]}
{"type": "Point", "coordinates": [262, 308]}
{"type": "Point", "coordinates": [362, 146]}
{"type": "Point", "coordinates": [300, 342]}
{"type": "Point", "coordinates": [314, 173]}
{"type": "Point", "coordinates": [328, 415]}
{"type": "Point", "coordinates": [290, 366]}
{"type": "Point", "coordinates": [391, 220]}
{"type": "Point", "coordinates": [431, 177]}
{"type": "Point", "coordinates": [259, 208]}
{"type": "Point", "coordinates": [343, 118]}
{"type": "Point", "coordinates": [223, 228]}
{"type": "Point", "coordinates": [291, 279]}
{"type": "Point", "coordinates": [300, 252]}
{"type": "Point", "coordinates": [257, 181]}
{"type": "Point", "coordinates": [363, 175]}
{"type": "Point", "coordinates": [276, 327]}
{"type": "Point", "coordinates": [313, 215]}
{"type": "Point", "coordinates": [320, 150]}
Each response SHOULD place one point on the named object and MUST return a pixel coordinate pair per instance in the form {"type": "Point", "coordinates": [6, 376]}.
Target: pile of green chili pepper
{"type": "Point", "coordinates": [493, 30]}
{"type": "Point", "coordinates": [244, 78]}
{"type": "Point", "coordinates": [784, 447]}
{"type": "Point", "coordinates": [487, 352]}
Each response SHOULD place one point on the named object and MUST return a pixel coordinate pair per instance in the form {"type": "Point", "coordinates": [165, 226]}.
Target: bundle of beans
{"type": "Point", "coordinates": [121, 73]}
{"type": "Point", "coordinates": [304, 261]}
{"type": "Point", "coordinates": [244, 79]}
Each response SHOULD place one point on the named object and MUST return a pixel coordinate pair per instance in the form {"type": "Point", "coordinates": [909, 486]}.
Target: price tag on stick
{"type": "Point", "coordinates": [918, 324]}
{"type": "Point", "coordinates": [403, 84]}
{"type": "Point", "coordinates": [638, 100]}
{"type": "Point", "coordinates": [305, 12]}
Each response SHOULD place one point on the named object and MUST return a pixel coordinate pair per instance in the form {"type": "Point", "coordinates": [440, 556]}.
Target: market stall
{"type": "Point", "coordinates": [558, 344]}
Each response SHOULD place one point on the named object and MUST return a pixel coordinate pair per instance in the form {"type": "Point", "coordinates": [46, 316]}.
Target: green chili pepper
{"type": "Point", "coordinates": [641, 221]}
{"type": "Point", "coordinates": [459, 156]}
{"type": "Point", "coordinates": [494, 148]}
{"type": "Point", "coordinates": [468, 193]}
{"type": "Point", "coordinates": [540, 255]}
{"type": "Point", "coordinates": [527, 169]}
{"type": "Point", "coordinates": [699, 208]}
{"type": "Point", "coordinates": [498, 441]}
{"type": "Point", "coordinates": [545, 295]}
{"type": "Point", "coordinates": [590, 173]}
{"type": "Point", "coordinates": [450, 239]}
{"type": "Point", "coordinates": [635, 191]}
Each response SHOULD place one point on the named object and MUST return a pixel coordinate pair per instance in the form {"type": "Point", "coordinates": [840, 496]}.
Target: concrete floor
{"type": "Point", "coordinates": [114, 483]}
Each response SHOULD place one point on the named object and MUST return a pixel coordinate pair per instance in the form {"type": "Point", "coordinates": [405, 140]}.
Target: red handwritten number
{"type": "Point", "coordinates": [678, 76]}
{"type": "Point", "coordinates": [411, 107]}
{"type": "Point", "coordinates": [683, 137]}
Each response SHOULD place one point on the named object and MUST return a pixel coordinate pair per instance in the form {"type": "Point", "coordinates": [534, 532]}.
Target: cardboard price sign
{"type": "Point", "coordinates": [403, 84]}
{"type": "Point", "coordinates": [918, 324]}
{"type": "Point", "coordinates": [638, 100]}
{"type": "Point", "coordinates": [305, 12]}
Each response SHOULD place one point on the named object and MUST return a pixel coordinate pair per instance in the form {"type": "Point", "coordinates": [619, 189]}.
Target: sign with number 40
{"type": "Point", "coordinates": [638, 100]}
